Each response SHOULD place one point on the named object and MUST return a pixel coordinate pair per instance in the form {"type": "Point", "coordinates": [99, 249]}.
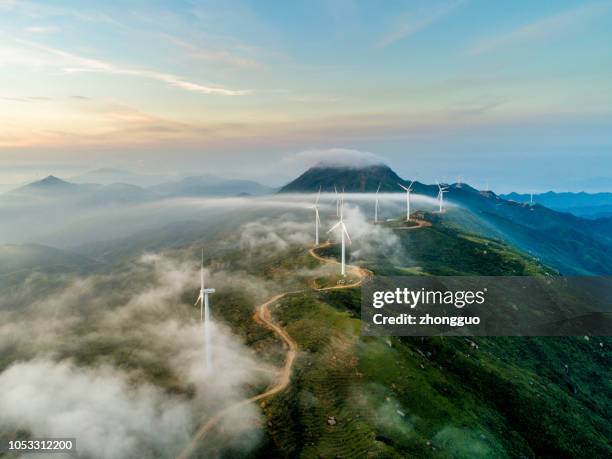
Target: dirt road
{"type": "Point", "coordinates": [263, 316]}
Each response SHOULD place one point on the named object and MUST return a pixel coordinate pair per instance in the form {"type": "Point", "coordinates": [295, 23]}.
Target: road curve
{"type": "Point", "coordinates": [263, 316]}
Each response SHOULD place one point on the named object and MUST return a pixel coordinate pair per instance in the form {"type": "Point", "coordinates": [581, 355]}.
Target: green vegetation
{"type": "Point", "coordinates": [354, 396]}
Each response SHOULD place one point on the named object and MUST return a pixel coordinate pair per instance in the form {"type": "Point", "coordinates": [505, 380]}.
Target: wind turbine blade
{"type": "Point", "coordinates": [334, 227]}
{"type": "Point", "coordinates": [198, 300]}
{"type": "Point", "coordinates": [318, 196]}
{"type": "Point", "coordinates": [202, 270]}
{"type": "Point", "coordinates": [378, 189]}
{"type": "Point", "coordinates": [406, 189]}
{"type": "Point", "coordinates": [347, 234]}
{"type": "Point", "coordinates": [410, 186]}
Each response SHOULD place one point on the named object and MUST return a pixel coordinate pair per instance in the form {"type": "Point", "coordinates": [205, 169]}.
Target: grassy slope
{"type": "Point", "coordinates": [438, 397]}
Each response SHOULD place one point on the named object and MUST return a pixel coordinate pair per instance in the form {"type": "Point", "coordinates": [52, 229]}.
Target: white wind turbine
{"type": "Point", "coordinates": [441, 191]}
{"type": "Point", "coordinates": [376, 205]}
{"type": "Point", "coordinates": [343, 233]}
{"type": "Point", "coordinates": [408, 191]}
{"type": "Point", "coordinates": [205, 314]}
{"type": "Point", "coordinates": [317, 219]}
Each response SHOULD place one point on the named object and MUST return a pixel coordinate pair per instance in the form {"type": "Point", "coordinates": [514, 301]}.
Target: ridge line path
{"type": "Point", "coordinates": [263, 316]}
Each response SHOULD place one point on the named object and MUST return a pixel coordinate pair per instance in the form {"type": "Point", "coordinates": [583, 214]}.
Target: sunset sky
{"type": "Point", "coordinates": [518, 93]}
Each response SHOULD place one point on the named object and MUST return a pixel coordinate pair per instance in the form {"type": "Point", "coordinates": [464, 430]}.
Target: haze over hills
{"type": "Point", "coordinates": [127, 300]}
{"type": "Point", "coordinates": [19, 261]}
{"type": "Point", "coordinates": [209, 185]}
{"type": "Point", "coordinates": [571, 244]}
{"type": "Point", "coordinates": [591, 205]}
{"type": "Point", "coordinates": [107, 176]}
{"type": "Point", "coordinates": [205, 185]}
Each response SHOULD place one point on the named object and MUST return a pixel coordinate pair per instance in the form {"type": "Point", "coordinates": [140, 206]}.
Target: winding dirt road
{"type": "Point", "coordinates": [263, 316]}
{"type": "Point", "coordinates": [419, 224]}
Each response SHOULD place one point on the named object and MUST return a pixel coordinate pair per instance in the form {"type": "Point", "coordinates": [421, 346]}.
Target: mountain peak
{"type": "Point", "coordinates": [49, 183]}
{"type": "Point", "coordinates": [50, 180]}
{"type": "Point", "coordinates": [345, 177]}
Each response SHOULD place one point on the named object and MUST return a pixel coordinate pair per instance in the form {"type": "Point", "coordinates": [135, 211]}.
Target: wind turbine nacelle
{"type": "Point", "coordinates": [209, 290]}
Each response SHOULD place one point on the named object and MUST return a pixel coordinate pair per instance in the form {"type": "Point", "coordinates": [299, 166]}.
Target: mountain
{"type": "Point", "coordinates": [50, 185]}
{"type": "Point", "coordinates": [53, 188]}
{"type": "Point", "coordinates": [209, 185]}
{"type": "Point", "coordinates": [591, 205]}
{"type": "Point", "coordinates": [460, 397]}
{"type": "Point", "coordinates": [571, 244]}
{"type": "Point", "coordinates": [350, 179]}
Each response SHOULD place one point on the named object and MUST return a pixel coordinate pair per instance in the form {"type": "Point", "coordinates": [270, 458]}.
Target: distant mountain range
{"type": "Point", "coordinates": [572, 244]}
{"type": "Point", "coordinates": [205, 185]}
{"type": "Point", "coordinates": [591, 205]}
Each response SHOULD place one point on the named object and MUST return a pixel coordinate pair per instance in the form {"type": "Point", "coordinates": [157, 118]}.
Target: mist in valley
{"type": "Point", "coordinates": [99, 338]}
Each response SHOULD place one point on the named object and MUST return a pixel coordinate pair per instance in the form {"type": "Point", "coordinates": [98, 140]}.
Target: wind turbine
{"type": "Point", "coordinates": [408, 190]}
{"type": "Point", "coordinates": [317, 219]}
{"type": "Point", "coordinates": [441, 191]}
{"type": "Point", "coordinates": [205, 314]}
{"type": "Point", "coordinates": [531, 198]}
{"type": "Point", "coordinates": [376, 205]}
{"type": "Point", "coordinates": [343, 233]}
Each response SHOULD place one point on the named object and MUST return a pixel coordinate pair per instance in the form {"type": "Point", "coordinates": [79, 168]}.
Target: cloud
{"type": "Point", "coordinates": [541, 29]}
{"type": "Point", "coordinates": [411, 23]}
{"type": "Point", "coordinates": [218, 56]}
{"type": "Point", "coordinates": [274, 234]}
{"type": "Point", "coordinates": [368, 239]}
{"type": "Point", "coordinates": [42, 29]}
{"type": "Point", "coordinates": [73, 63]}
{"type": "Point", "coordinates": [338, 157]}
{"type": "Point", "coordinates": [117, 360]}
{"type": "Point", "coordinates": [97, 406]}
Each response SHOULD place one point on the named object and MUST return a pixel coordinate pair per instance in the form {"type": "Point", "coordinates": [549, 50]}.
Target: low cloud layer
{"type": "Point", "coordinates": [117, 361]}
{"type": "Point", "coordinates": [334, 157]}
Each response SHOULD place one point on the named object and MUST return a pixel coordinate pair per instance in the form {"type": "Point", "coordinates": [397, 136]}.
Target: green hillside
{"type": "Point", "coordinates": [354, 396]}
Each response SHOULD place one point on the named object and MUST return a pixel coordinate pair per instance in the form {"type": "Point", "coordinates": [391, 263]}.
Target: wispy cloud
{"type": "Point", "coordinates": [39, 10]}
{"type": "Point", "coordinates": [542, 29]}
{"type": "Point", "coordinates": [410, 22]}
{"type": "Point", "coordinates": [218, 56]}
{"type": "Point", "coordinates": [75, 64]}
{"type": "Point", "coordinates": [42, 29]}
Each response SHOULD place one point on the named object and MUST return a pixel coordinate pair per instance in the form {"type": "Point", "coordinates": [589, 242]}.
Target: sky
{"type": "Point", "coordinates": [514, 93]}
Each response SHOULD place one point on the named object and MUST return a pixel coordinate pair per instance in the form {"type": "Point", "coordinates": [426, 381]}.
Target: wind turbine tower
{"type": "Point", "coordinates": [408, 191]}
{"type": "Point", "coordinates": [376, 205]}
{"type": "Point", "coordinates": [344, 235]}
{"type": "Point", "coordinates": [317, 219]}
{"type": "Point", "coordinates": [205, 315]}
{"type": "Point", "coordinates": [441, 191]}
